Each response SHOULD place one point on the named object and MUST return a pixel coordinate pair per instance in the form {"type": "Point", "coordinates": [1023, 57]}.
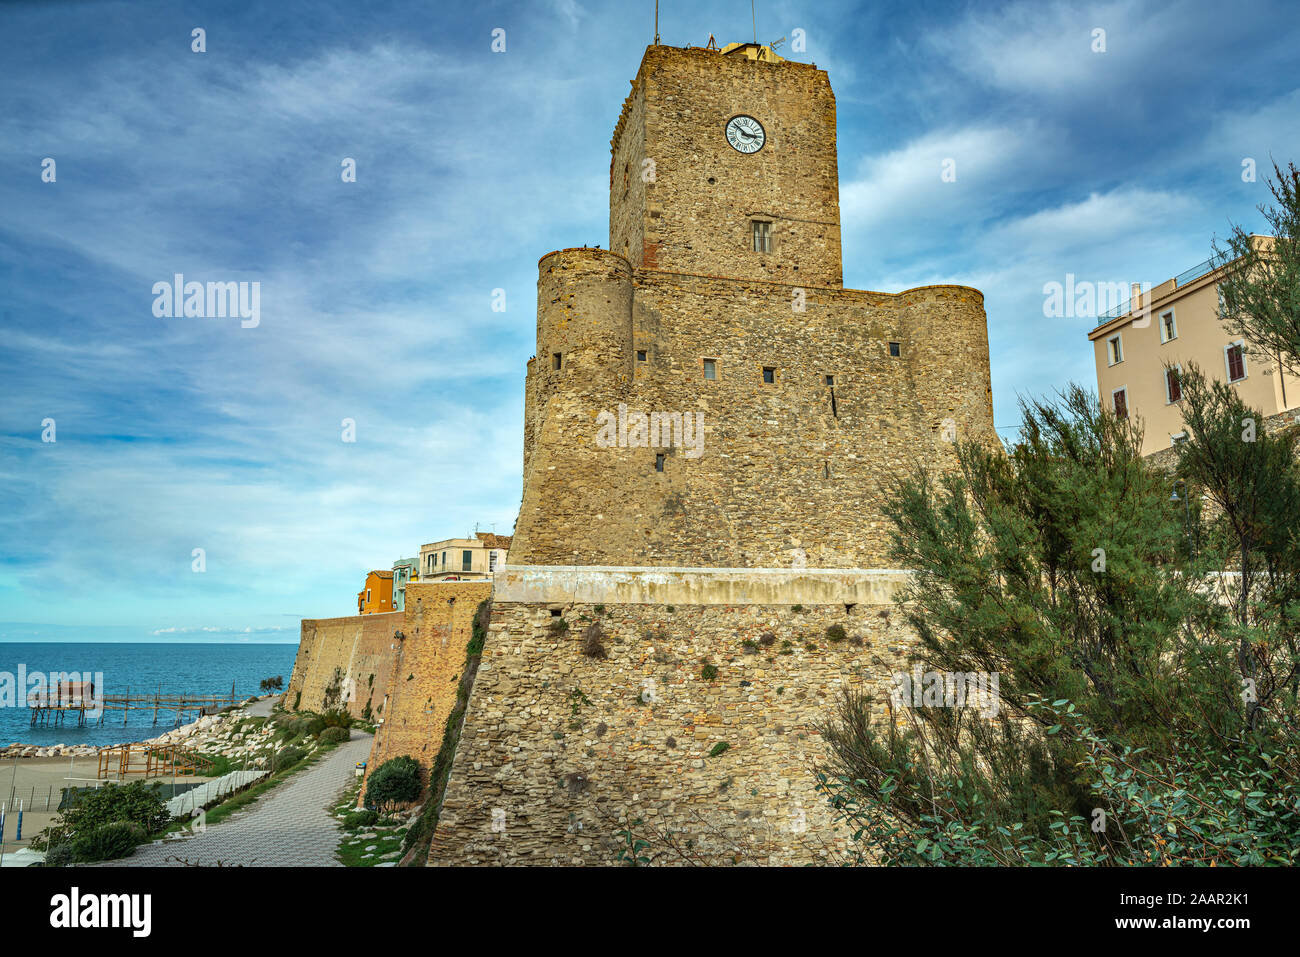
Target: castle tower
{"type": "Point", "coordinates": [712, 425]}
{"type": "Point", "coordinates": [721, 302]}
{"type": "Point", "coordinates": [725, 165]}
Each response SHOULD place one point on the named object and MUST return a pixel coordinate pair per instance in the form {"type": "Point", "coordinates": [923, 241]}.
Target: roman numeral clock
{"type": "Point", "coordinates": [745, 134]}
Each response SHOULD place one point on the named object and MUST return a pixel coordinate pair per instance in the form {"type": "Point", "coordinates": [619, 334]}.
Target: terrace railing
{"type": "Point", "coordinates": [1182, 279]}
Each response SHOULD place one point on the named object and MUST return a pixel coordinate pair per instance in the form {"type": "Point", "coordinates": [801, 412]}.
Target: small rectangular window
{"type": "Point", "coordinates": [1168, 326]}
{"type": "Point", "coordinates": [555, 360]}
{"type": "Point", "coordinates": [1119, 398]}
{"type": "Point", "coordinates": [640, 355]}
{"type": "Point", "coordinates": [895, 349]}
{"type": "Point", "coordinates": [466, 560]}
{"type": "Point", "coordinates": [1114, 350]}
{"type": "Point", "coordinates": [830, 380]}
{"type": "Point", "coordinates": [710, 368]}
{"type": "Point", "coordinates": [769, 374]}
{"type": "Point", "coordinates": [1173, 385]}
{"type": "Point", "coordinates": [1235, 357]}
{"type": "Point", "coordinates": [659, 462]}
{"type": "Point", "coordinates": [762, 237]}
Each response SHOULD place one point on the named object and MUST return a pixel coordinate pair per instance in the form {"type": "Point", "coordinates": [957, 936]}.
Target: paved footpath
{"type": "Point", "coordinates": [289, 827]}
{"type": "Point", "coordinates": [261, 709]}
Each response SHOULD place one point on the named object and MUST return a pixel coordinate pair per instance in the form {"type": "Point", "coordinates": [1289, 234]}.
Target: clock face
{"type": "Point", "coordinates": [745, 134]}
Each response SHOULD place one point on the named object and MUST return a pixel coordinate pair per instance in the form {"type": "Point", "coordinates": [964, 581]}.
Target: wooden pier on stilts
{"type": "Point", "coordinates": [50, 708]}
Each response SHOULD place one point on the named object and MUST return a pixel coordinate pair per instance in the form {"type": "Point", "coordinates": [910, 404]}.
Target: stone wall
{"type": "Point", "coordinates": [791, 471]}
{"type": "Point", "coordinates": [1167, 458]}
{"type": "Point", "coordinates": [560, 751]}
{"type": "Point", "coordinates": [355, 652]}
{"type": "Point", "coordinates": [695, 214]}
{"type": "Point", "coordinates": [426, 669]}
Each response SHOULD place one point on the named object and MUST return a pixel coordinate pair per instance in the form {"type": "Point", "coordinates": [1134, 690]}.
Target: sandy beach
{"type": "Point", "coordinates": [37, 782]}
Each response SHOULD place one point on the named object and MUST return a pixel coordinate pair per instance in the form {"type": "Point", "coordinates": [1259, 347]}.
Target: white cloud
{"type": "Point", "coordinates": [1100, 218]}
{"type": "Point", "coordinates": [1036, 47]}
{"type": "Point", "coordinates": [906, 184]}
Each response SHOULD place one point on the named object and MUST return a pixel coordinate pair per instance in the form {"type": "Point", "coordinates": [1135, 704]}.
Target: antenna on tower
{"type": "Point", "coordinates": [656, 22]}
{"type": "Point", "coordinates": [753, 19]}
{"type": "Point", "coordinates": [775, 43]}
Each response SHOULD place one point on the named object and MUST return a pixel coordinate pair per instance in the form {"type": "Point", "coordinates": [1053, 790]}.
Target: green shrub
{"type": "Point", "coordinates": [1119, 732]}
{"type": "Point", "coordinates": [334, 735]}
{"type": "Point", "coordinates": [719, 748]}
{"type": "Point", "coordinates": [60, 855]}
{"type": "Point", "coordinates": [708, 672]}
{"type": "Point", "coordinates": [136, 803]}
{"type": "Point", "coordinates": [313, 726]}
{"type": "Point", "coordinates": [396, 781]}
{"type": "Point", "coordinates": [293, 727]}
{"type": "Point", "coordinates": [108, 842]}
{"type": "Point", "coordinates": [836, 633]}
{"type": "Point", "coordinates": [359, 819]}
{"type": "Point", "coordinates": [337, 718]}
{"type": "Point", "coordinates": [286, 757]}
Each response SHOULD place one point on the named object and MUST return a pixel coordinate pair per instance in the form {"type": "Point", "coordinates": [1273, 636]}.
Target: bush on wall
{"type": "Point", "coordinates": [396, 781]}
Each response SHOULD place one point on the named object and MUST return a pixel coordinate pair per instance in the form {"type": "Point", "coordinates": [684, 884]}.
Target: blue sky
{"type": "Point", "coordinates": [176, 434]}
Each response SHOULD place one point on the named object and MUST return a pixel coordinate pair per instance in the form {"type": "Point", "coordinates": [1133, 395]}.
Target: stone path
{"type": "Point", "coordinates": [289, 827]}
{"type": "Point", "coordinates": [261, 709]}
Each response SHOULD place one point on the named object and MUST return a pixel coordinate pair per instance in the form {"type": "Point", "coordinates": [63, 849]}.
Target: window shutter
{"type": "Point", "coordinates": [1236, 369]}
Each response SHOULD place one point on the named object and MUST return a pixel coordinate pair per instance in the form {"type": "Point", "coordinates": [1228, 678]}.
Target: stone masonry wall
{"type": "Point", "coordinates": [359, 647]}
{"type": "Point", "coordinates": [561, 751]}
{"type": "Point", "coordinates": [695, 214]}
{"type": "Point", "coordinates": [1167, 458]}
{"type": "Point", "coordinates": [425, 670]}
{"type": "Point", "coordinates": [795, 470]}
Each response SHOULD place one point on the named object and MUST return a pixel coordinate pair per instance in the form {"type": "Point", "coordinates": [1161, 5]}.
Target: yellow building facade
{"type": "Point", "coordinates": [1140, 353]}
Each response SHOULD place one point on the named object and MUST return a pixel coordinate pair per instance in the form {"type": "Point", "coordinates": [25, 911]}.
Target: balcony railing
{"type": "Point", "coordinates": [1182, 279]}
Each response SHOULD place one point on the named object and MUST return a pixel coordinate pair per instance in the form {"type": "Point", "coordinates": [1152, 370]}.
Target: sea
{"type": "Point", "coordinates": [134, 668]}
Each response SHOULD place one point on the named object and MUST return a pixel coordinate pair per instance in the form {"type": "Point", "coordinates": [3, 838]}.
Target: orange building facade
{"type": "Point", "coordinates": [377, 595]}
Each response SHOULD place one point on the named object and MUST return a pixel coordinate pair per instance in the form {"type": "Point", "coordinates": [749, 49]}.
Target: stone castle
{"type": "Point", "coordinates": [712, 423]}
{"type": "Point", "coordinates": [712, 571]}
{"type": "Point", "coordinates": [810, 395]}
